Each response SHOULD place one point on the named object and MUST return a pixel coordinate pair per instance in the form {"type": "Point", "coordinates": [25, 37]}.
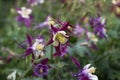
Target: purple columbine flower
{"type": "Point", "coordinates": [41, 69]}
{"type": "Point", "coordinates": [47, 23]}
{"type": "Point", "coordinates": [36, 49]}
{"type": "Point", "coordinates": [35, 2]}
{"type": "Point", "coordinates": [86, 73]}
{"type": "Point", "coordinates": [59, 39]}
{"type": "Point", "coordinates": [98, 25]}
{"type": "Point", "coordinates": [25, 16]}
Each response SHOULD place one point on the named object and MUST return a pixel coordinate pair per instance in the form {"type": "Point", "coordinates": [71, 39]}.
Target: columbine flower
{"type": "Point", "coordinates": [24, 12]}
{"type": "Point", "coordinates": [86, 73]}
{"type": "Point", "coordinates": [78, 30]}
{"type": "Point", "coordinates": [60, 38]}
{"type": "Point", "coordinates": [98, 25]}
{"type": "Point", "coordinates": [60, 41]}
{"type": "Point", "coordinates": [35, 2]}
{"type": "Point", "coordinates": [12, 76]}
{"type": "Point", "coordinates": [41, 69]}
{"type": "Point", "coordinates": [48, 22]}
{"type": "Point", "coordinates": [25, 16]}
{"type": "Point", "coordinates": [36, 49]}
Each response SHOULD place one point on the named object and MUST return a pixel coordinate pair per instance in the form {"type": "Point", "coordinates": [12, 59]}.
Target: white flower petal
{"type": "Point", "coordinates": [86, 66]}
{"type": "Point", "coordinates": [12, 75]}
{"type": "Point", "coordinates": [92, 77]}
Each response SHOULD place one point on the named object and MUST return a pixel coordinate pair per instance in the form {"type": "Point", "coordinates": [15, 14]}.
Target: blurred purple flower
{"type": "Point", "coordinates": [86, 72]}
{"type": "Point", "coordinates": [47, 23]}
{"type": "Point", "coordinates": [98, 25]}
{"type": "Point", "coordinates": [116, 2]}
{"type": "Point", "coordinates": [35, 2]}
{"type": "Point", "coordinates": [25, 16]}
{"type": "Point", "coordinates": [41, 69]}
{"type": "Point", "coordinates": [78, 30]}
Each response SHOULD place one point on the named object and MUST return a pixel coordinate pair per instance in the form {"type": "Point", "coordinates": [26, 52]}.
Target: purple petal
{"type": "Point", "coordinates": [50, 41]}
{"type": "Point", "coordinates": [19, 18]}
{"type": "Point", "coordinates": [76, 62]}
{"type": "Point", "coordinates": [28, 52]}
{"type": "Point", "coordinates": [27, 22]}
{"type": "Point", "coordinates": [65, 26]}
{"type": "Point", "coordinates": [44, 61]}
{"type": "Point", "coordinates": [29, 39]}
{"type": "Point", "coordinates": [54, 29]}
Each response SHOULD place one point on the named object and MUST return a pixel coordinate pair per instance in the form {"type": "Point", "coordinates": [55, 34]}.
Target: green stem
{"type": "Point", "coordinates": [23, 75]}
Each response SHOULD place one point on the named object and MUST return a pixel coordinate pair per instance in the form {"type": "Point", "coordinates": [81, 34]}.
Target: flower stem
{"type": "Point", "coordinates": [23, 75]}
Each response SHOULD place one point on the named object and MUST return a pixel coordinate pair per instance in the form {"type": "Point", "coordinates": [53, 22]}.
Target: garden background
{"type": "Point", "coordinates": [106, 58]}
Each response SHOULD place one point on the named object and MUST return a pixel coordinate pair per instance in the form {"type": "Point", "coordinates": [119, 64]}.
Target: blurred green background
{"type": "Point", "coordinates": [106, 59]}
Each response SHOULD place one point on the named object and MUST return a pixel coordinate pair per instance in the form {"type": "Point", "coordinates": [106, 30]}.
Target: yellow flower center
{"type": "Point", "coordinates": [61, 38]}
{"type": "Point", "coordinates": [39, 47]}
{"type": "Point", "coordinates": [92, 70]}
{"type": "Point", "coordinates": [70, 28]}
{"type": "Point", "coordinates": [51, 21]}
{"type": "Point", "coordinates": [41, 70]}
{"type": "Point", "coordinates": [118, 10]}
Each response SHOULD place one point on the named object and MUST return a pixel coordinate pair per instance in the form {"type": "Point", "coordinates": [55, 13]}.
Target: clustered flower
{"type": "Point", "coordinates": [25, 16]}
{"type": "Point", "coordinates": [60, 33]}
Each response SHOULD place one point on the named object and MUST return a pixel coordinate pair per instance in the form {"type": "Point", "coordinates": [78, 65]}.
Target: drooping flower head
{"type": "Point", "coordinates": [86, 73]}
{"type": "Point", "coordinates": [25, 16]}
{"type": "Point", "coordinates": [98, 25]}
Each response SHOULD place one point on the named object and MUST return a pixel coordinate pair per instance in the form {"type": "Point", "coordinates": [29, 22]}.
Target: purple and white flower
{"type": "Point", "coordinates": [47, 23]}
{"type": "Point", "coordinates": [35, 2]}
{"type": "Point", "coordinates": [36, 49]}
{"type": "Point", "coordinates": [25, 16]}
{"type": "Point", "coordinates": [86, 73]}
{"type": "Point", "coordinates": [98, 25]}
